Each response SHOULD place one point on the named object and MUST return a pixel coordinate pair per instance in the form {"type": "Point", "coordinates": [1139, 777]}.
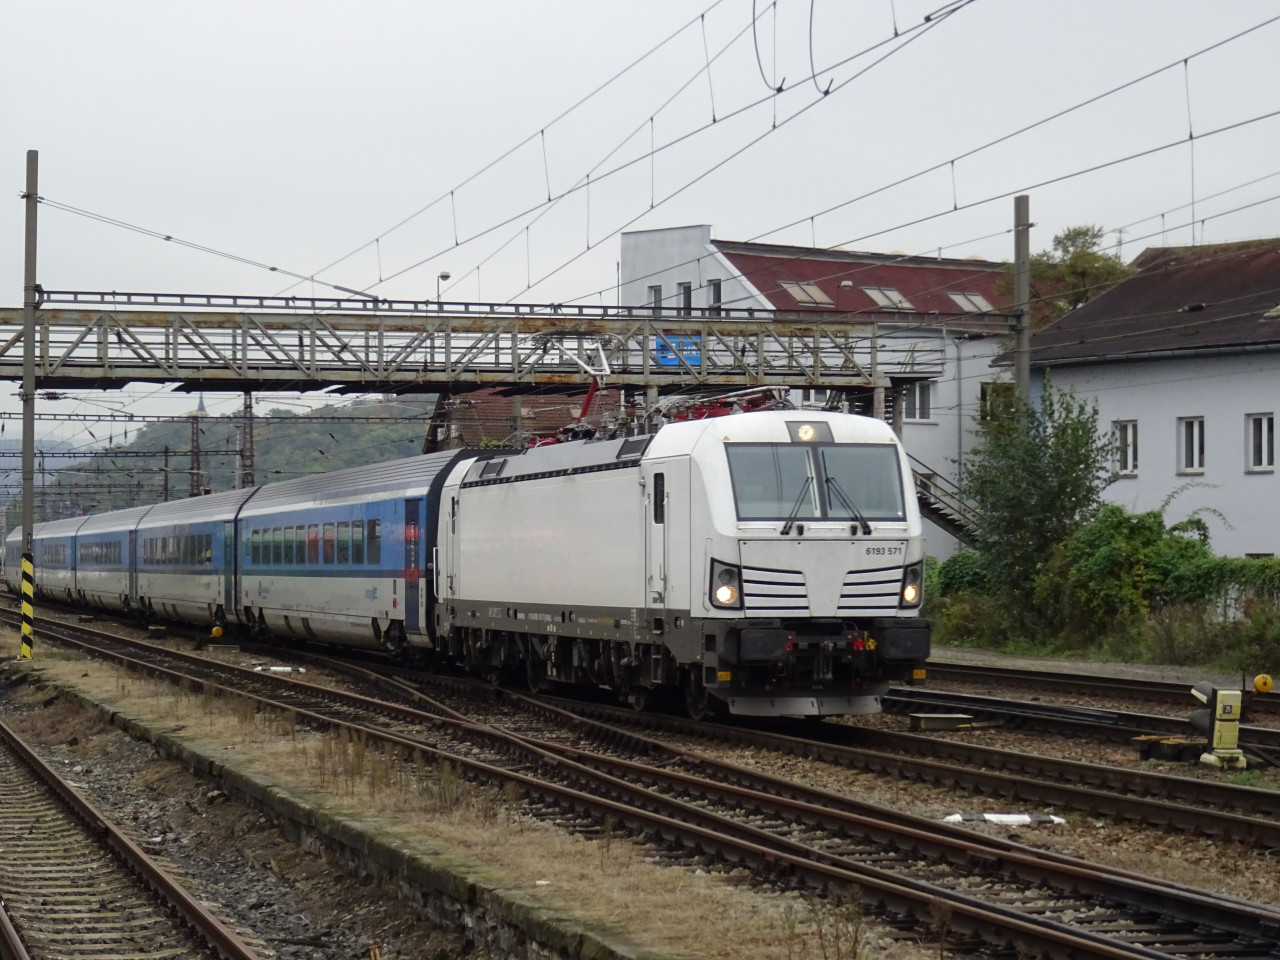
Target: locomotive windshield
{"type": "Point", "coordinates": [780, 481]}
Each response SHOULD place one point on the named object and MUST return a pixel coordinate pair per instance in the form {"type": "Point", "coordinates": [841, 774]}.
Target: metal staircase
{"type": "Point", "coordinates": [941, 501]}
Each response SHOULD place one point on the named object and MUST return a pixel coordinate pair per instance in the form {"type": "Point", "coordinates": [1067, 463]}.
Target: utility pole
{"type": "Point", "coordinates": [246, 444]}
{"type": "Point", "coordinates": [166, 473]}
{"type": "Point", "coordinates": [29, 300]}
{"type": "Point", "coordinates": [1022, 294]}
{"type": "Point", "coordinates": [195, 455]}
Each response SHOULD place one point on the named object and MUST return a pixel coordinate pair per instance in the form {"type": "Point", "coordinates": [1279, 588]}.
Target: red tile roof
{"type": "Point", "coordinates": [842, 277]}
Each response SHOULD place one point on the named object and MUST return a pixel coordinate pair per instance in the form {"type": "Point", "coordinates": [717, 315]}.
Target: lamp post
{"type": "Point", "coordinates": [444, 275]}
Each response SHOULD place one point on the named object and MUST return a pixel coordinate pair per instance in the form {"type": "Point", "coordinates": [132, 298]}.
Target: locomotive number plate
{"type": "Point", "coordinates": [885, 549]}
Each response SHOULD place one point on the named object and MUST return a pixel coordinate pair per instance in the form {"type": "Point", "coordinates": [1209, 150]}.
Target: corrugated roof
{"type": "Point", "coordinates": [1182, 299]}
{"type": "Point", "coordinates": [847, 281]}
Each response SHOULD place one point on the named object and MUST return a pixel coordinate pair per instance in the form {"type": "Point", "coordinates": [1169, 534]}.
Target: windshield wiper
{"type": "Point", "coordinates": [834, 485]}
{"type": "Point", "coordinates": [795, 509]}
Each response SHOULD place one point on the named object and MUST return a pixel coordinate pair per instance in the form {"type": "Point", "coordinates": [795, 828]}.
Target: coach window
{"type": "Point", "coordinates": [207, 549]}
{"type": "Point", "coordinates": [300, 540]}
{"type": "Point", "coordinates": [344, 542]}
{"type": "Point", "coordinates": [659, 498]}
{"type": "Point", "coordinates": [375, 541]}
{"type": "Point", "coordinates": [184, 550]}
{"type": "Point", "coordinates": [289, 537]}
{"type": "Point", "coordinates": [313, 543]}
{"type": "Point", "coordinates": [328, 543]}
{"type": "Point", "coordinates": [357, 541]}
{"type": "Point", "coordinates": [277, 545]}
{"type": "Point", "coordinates": [256, 556]}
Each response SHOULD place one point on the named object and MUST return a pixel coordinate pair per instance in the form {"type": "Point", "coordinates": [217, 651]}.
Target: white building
{"type": "Point", "coordinates": [1183, 361]}
{"type": "Point", "coordinates": [947, 309]}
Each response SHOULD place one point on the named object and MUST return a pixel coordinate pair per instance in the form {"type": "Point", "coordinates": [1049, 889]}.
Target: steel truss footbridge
{"type": "Point", "coordinates": [241, 343]}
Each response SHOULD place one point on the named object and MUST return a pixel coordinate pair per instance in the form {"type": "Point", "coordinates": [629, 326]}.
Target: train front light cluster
{"type": "Point", "coordinates": [913, 585]}
{"type": "Point", "coordinates": [726, 586]}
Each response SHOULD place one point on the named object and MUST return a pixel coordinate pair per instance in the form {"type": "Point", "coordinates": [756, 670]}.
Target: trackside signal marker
{"type": "Point", "coordinates": [28, 605]}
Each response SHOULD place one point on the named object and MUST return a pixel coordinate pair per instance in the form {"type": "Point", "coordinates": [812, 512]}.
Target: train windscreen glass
{"type": "Point", "coordinates": [773, 481]}
{"type": "Point", "coordinates": [865, 477]}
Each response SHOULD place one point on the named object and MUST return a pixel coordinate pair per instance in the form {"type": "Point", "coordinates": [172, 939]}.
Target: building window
{"type": "Point", "coordinates": [888, 298]}
{"type": "Point", "coordinates": [1125, 435]}
{"type": "Point", "coordinates": [972, 302]}
{"type": "Point", "coordinates": [686, 296]}
{"type": "Point", "coordinates": [814, 396]}
{"type": "Point", "coordinates": [995, 399]}
{"type": "Point", "coordinates": [713, 297]}
{"type": "Point", "coordinates": [806, 294]}
{"type": "Point", "coordinates": [915, 401]}
{"type": "Point", "coordinates": [1262, 442]}
{"type": "Point", "coordinates": [1191, 444]}
{"type": "Point", "coordinates": [655, 298]}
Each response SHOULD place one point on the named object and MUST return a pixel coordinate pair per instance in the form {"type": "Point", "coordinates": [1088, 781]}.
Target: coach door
{"type": "Point", "coordinates": [412, 566]}
{"type": "Point", "coordinates": [228, 568]}
{"type": "Point", "coordinates": [133, 564]}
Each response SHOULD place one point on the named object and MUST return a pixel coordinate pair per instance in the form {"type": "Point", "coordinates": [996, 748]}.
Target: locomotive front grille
{"type": "Point", "coordinates": [871, 592]}
{"type": "Point", "coordinates": [774, 593]}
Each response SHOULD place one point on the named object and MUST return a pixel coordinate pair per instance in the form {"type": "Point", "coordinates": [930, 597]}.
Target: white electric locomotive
{"type": "Point", "coordinates": [763, 563]}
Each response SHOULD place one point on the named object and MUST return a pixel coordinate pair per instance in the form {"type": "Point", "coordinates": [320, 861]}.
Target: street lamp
{"type": "Point", "coordinates": [444, 275]}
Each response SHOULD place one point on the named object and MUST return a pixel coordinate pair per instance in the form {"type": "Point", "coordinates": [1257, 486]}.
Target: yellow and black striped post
{"type": "Point", "coordinates": [28, 604]}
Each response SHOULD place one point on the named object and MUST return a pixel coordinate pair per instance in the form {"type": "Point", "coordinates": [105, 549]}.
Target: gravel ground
{"type": "Point", "coordinates": [300, 906]}
{"type": "Point", "coordinates": [283, 901]}
{"type": "Point", "coordinates": [292, 904]}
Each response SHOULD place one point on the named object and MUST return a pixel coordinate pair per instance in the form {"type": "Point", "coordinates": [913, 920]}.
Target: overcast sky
{"type": "Point", "coordinates": [295, 133]}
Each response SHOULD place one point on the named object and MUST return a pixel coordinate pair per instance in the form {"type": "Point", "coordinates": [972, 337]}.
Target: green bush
{"type": "Point", "coordinates": [965, 571]}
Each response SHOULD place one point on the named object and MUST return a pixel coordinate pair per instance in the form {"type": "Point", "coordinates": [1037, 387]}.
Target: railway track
{"type": "Point", "coordinates": [1260, 743]}
{"type": "Point", "coordinates": [589, 774]}
{"type": "Point", "coordinates": [1087, 685]}
{"type": "Point", "coordinates": [74, 886]}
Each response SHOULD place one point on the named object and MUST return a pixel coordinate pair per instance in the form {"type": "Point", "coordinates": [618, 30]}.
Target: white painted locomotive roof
{"type": "Point", "coordinates": [408, 477]}
{"type": "Point", "coordinates": [765, 426]}
{"type": "Point", "coordinates": [554, 457]}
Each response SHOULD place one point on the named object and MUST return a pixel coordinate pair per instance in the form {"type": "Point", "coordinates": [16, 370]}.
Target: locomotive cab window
{"type": "Point", "coordinates": [816, 481]}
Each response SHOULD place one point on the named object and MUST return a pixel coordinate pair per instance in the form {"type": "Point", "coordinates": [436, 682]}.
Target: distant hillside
{"type": "Point", "coordinates": [286, 445]}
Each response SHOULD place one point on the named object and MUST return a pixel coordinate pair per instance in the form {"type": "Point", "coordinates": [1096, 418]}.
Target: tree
{"type": "Point", "coordinates": [1073, 272]}
{"type": "Point", "coordinates": [1036, 475]}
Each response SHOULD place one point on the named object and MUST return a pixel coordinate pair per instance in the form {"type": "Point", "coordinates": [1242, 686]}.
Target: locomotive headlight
{"type": "Point", "coordinates": [726, 585]}
{"type": "Point", "coordinates": [912, 583]}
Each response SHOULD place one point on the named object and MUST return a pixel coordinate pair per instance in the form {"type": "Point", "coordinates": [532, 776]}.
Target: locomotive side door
{"type": "Point", "coordinates": [655, 546]}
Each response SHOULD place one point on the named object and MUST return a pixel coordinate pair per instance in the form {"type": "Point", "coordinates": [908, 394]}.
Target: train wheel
{"type": "Point", "coordinates": [535, 666]}
{"type": "Point", "coordinates": [639, 699]}
{"type": "Point", "coordinates": [697, 700]}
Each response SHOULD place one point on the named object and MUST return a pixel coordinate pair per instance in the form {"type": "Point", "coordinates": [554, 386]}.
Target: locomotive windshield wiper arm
{"type": "Point", "coordinates": [834, 485]}
{"type": "Point", "coordinates": [795, 509]}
